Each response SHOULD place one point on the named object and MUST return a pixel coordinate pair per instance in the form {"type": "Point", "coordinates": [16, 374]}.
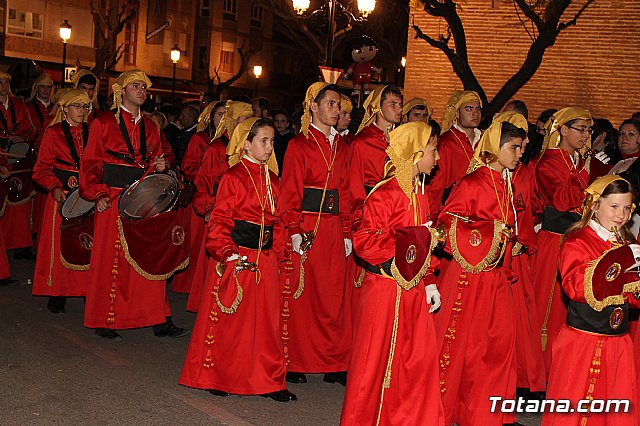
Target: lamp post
{"type": "Point", "coordinates": [365, 7]}
{"type": "Point", "coordinates": [175, 57]}
{"type": "Point", "coordinates": [65, 35]}
{"type": "Point", "coordinates": [257, 72]}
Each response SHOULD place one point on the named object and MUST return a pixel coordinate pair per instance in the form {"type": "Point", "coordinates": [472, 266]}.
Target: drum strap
{"type": "Point", "coordinates": [143, 140]}
{"type": "Point", "coordinates": [34, 102]}
{"type": "Point", "coordinates": [3, 120]}
{"type": "Point", "coordinates": [71, 143]}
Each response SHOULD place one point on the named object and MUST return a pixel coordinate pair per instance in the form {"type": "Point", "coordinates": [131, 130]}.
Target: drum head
{"type": "Point", "coordinates": [149, 197]}
{"type": "Point", "coordinates": [18, 148]}
{"type": "Point", "coordinates": [75, 206]}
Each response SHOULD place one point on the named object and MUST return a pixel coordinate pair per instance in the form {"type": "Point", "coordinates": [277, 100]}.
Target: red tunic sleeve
{"type": "Point", "coordinates": [24, 126]}
{"type": "Point", "coordinates": [292, 182]}
{"type": "Point", "coordinates": [193, 155]}
{"type": "Point", "coordinates": [557, 184]}
{"type": "Point", "coordinates": [214, 164]}
{"type": "Point", "coordinates": [92, 162]}
{"type": "Point", "coordinates": [43, 170]}
{"type": "Point", "coordinates": [375, 239]}
{"type": "Point", "coordinates": [219, 243]}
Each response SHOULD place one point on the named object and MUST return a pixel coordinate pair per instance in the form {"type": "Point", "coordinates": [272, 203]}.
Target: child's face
{"type": "Point", "coordinates": [576, 135]}
{"type": "Point", "coordinates": [613, 210]}
{"type": "Point", "coordinates": [430, 157]}
{"type": "Point", "coordinates": [510, 153]}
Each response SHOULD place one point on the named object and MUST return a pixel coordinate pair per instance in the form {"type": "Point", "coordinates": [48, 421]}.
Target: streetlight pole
{"type": "Point", "coordinates": [65, 34]}
{"type": "Point", "coordinates": [175, 57]}
{"type": "Point", "coordinates": [328, 57]}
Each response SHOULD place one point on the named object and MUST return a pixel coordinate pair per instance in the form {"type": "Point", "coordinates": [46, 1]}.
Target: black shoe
{"type": "Point", "coordinates": [56, 309]}
{"type": "Point", "coordinates": [8, 282]}
{"type": "Point", "coordinates": [281, 396]}
{"type": "Point", "coordinates": [216, 392]}
{"type": "Point", "coordinates": [337, 377]}
{"type": "Point", "coordinates": [24, 253]}
{"type": "Point", "coordinates": [173, 331]}
{"type": "Point", "coordinates": [296, 378]}
{"type": "Point", "coordinates": [107, 333]}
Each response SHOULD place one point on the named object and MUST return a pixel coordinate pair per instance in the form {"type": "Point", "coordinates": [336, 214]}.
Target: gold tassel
{"type": "Point", "coordinates": [360, 279]}
{"type": "Point", "coordinates": [236, 302]}
{"type": "Point", "coordinates": [53, 244]}
{"type": "Point", "coordinates": [300, 289]}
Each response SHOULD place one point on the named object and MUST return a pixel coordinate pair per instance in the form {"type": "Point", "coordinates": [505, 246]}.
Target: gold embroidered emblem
{"type": "Point", "coordinates": [616, 318]}
{"type": "Point", "coordinates": [72, 182]}
{"type": "Point", "coordinates": [331, 202]}
{"type": "Point", "coordinates": [411, 254]}
{"type": "Point", "coordinates": [613, 272]}
{"type": "Point", "coordinates": [177, 235]}
{"type": "Point", "coordinates": [86, 241]}
{"type": "Point", "coordinates": [15, 184]}
{"type": "Point", "coordinates": [475, 238]}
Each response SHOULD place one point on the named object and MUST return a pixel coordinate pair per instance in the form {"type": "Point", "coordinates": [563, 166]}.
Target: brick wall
{"type": "Point", "coordinates": [595, 64]}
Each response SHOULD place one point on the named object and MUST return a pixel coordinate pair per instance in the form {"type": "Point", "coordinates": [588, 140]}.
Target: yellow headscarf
{"type": "Point", "coordinates": [205, 117]}
{"type": "Point", "coordinates": [595, 190]}
{"type": "Point", "coordinates": [345, 103]}
{"type": "Point", "coordinates": [6, 76]}
{"type": "Point", "coordinates": [235, 149]}
{"type": "Point", "coordinates": [312, 93]}
{"type": "Point", "coordinates": [76, 81]}
{"type": "Point", "coordinates": [457, 99]}
{"type": "Point", "coordinates": [232, 111]}
{"type": "Point", "coordinates": [406, 108]}
{"type": "Point", "coordinates": [372, 106]}
{"type": "Point", "coordinates": [559, 119]}
{"type": "Point", "coordinates": [406, 148]}
{"type": "Point", "coordinates": [488, 147]}
{"type": "Point", "coordinates": [42, 80]}
{"type": "Point", "coordinates": [121, 82]}
{"type": "Point", "coordinates": [69, 97]}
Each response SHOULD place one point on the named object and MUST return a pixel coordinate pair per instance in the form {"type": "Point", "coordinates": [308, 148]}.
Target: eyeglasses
{"type": "Point", "coordinates": [85, 107]}
{"type": "Point", "coordinates": [582, 130]}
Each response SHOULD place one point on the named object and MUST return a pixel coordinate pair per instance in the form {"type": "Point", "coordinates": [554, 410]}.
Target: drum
{"type": "Point", "coordinates": [75, 210]}
{"type": "Point", "coordinates": [76, 231]}
{"type": "Point", "coordinates": [148, 197]}
{"type": "Point", "coordinates": [19, 180]}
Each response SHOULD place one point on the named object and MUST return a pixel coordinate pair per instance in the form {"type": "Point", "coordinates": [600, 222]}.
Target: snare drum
{"type": "Point", "coordinates": [19, 180]}
{"type": "Point", "coordinates": [75, 210]}
{"type": "Point", "coordinates": [148, 197]}
{"type": "Point", "coordinates": [76, 231]}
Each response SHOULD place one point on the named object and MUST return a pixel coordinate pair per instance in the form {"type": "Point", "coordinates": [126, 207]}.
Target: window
{"type": "Point", "coordinates": [229, 10]}
{"type": "Point", "coordinates": [24, 23]}
{"type": "Point", "coordinates": [256, 15]}
{"type": "Point", "coordinates": [226, 60]}
{"type": "Point", "coordinates": [204, 7]}
{"type": "Point", "coordinates": [130, 42]}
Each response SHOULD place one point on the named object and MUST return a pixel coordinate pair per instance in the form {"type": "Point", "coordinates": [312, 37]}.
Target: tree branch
{"type": "Point", "coordinates": [565, 25]}
{"type": "Point", "coordinates": [529, 13]}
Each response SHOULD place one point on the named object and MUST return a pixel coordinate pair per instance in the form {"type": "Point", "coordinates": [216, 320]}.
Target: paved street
{"type": "Point", "coordinates": [54, 371]}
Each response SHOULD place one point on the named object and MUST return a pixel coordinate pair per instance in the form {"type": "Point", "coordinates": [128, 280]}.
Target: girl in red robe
{"type": "Point", "coordinates": [476, 324]}
{"type": "Point", "coordinates": [593, 353]}
{"type": "Point", "coordinates": [395, 352]}
{"type": "Point", "coordinates": [57, 171]}
{"type": "Point", "coordinates": [235, 347]}
{"type": "Point", "coordinates": [561, 177]}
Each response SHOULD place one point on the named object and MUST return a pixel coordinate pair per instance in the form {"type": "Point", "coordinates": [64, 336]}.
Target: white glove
{"type": "Point", "coordinates": [234, 256]}
{"type": "Point", "coordinates": [604, 158]}
{"type": "Point", "coordinates": [348, 247]}
{"type": "Point", "coordinates": [433, 297]}
{"type": "Point", "coordinates": [537, 228]}
{"type": "Point", "coordinates": [296, 240]}
{"type": "Point", "coordinates": [428, 224]}
{"type": "Point", "coordinates": [635, 248]}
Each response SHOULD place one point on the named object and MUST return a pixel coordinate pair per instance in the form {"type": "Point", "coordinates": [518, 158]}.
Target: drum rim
{"type": "Point", "coordinates": [87, 213]}
{"type": "Point", "coordinates": [169, 208]}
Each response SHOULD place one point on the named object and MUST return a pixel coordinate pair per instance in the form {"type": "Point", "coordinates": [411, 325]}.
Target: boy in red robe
{"type": "Point", "coordinates": [41, 103]}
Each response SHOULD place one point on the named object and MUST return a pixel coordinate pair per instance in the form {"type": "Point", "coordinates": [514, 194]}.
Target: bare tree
{"type": "Point", "coordinates": [217, 86]}
{"type": "Point", "coordinates": [542, 21]}
{"type": "Point", "coordinates": [109, 22]}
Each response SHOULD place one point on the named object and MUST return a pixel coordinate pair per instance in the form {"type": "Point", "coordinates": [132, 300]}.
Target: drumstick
{"type": "Point", "coordinates": [144, 175]}
{"type": "Point", "coordinates": [8, 154]}
{"type": "Point", "coordinates": [74, 204]}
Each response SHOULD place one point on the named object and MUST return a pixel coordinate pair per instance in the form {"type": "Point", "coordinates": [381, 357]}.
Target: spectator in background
{"type": "Point", "coordinates": [605, 139]}
{"type": "Point", "coordinates": [532, 150]}
{"type": "Point", "coordinates": [173, 128]}
{"type": "Point", "coordinates": [261, 107]}
{"type": "Point", "coordinates": [188, 121]}
{"type": "Point", "coordinates": [296, 122]}
{"type": "Point", "coordinates": [636, 115]}
{"type": "Point", "coordinates": [534, 147]}
{"type": "Point", "coordinates": [282, 137]}
{"type": "Point", "coordinates": [345, 117]}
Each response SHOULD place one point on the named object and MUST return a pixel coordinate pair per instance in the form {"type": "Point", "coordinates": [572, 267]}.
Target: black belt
{"type": "Point", "coordinates": [556, 221]}
{"type": "Point", "coordinates": [247, 234]}
{"type": "Point", "coordinates": [368, 189]}
{"type": "Point", "coordinates": [378, 269]}
{"type": "Point", "coordinates": [120, 176]}
{"type": "Point", "coordinates": [313, 197]}
{"type": "Point", "coordinates": [611, 321]}
{"type": "Point", "coordinates": [68, 178]}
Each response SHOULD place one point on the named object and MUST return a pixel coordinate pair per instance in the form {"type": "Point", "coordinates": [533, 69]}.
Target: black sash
{"type": "Point", "coordinates": [611, 321]}
{"type": "Point", "coordinates": [71, 143]}
{"type": "Point", "coordinates": [247, 234]}
{"type": "Point", "coordinates": [38, 112]}
{"type": "Point", "coordinates": [3, 120]}
{"type": "Point", "coordinates": [120, 176]}
{"type": "Point", "coordinates": [377, 269]}
{"type": "Point", "coordinates": [556, 221]}
{"type": "Point", "coordinates": [313, 197]}
{"type": "Point", "coordinates": [68, 178]}
{"type": "Point", "coordinates": [127, 139]}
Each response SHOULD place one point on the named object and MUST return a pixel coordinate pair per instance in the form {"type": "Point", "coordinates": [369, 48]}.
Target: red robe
{"type": "Point", "coordinates": [574, 351]}
{"type": "Point", "coordinates": [16, 221]}
{"type": "Point", "coordinates": [214, 164]}
{"type": "Point", "coordinates": [38, 113]}
{"type": "Point", "coordinates": [51, 277]}
{"type": "Point", "coordinates": [413, 396]}
{"type": "Point", "coordinates": [198, 143]}
{"type": "Point", "coordinates": [318, 330]}
{"type": "Point", "coordinates": [559, 185]}
{"type": "Point", "coordinates": [530, 364]}
{"type": "Point", "coordinates": [475, 326]}
{"type": "Point", "coordinates": [5, 271]}
{"type": "Point", "coordinates": [118, 297]}
{"type": "Point", "coordinates": [240, 352]}
{"type": "Point", "coordinates": [456, 153]}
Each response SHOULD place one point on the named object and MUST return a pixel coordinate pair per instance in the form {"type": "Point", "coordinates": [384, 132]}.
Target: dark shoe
{"type": "Point", "coordinates": [281, 396]}
{"type": "Point", "coordinates": [24, 253]}
{"type": "Point", "coordinates": [173, 331]}
{"type": "Point", "coordinates": [8, 282]}
{"type": "Point", "coordinates": [56, 309]}
{"type": "Point", "coordinates": [296, 378]}
{"type": "Point", "coordinates": [216, 392]}
{"type": "Point", "coordinates": [107, 333]}
{"type": "Point", "coordinates": [337, 377]}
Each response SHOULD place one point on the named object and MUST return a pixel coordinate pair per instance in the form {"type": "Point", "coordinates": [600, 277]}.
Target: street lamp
{"type": "Point", "coordinates": [403, 61]}
{"type": "Point", "coordinates": [257, 72]}
{"type": "Point", "coordinates": [365, 7]}
{"type": "Point", "coordinates": [175, 57]}
{"type": "Point", "coordinates": [65, 35]}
